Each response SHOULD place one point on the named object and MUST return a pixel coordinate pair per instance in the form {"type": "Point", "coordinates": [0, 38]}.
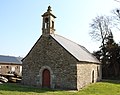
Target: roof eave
{"type": "Point", "coordinates": [90, 62]}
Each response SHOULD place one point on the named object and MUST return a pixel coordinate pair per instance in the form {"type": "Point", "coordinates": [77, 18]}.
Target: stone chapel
{"type": "Point", "coordinates": [57, 62]}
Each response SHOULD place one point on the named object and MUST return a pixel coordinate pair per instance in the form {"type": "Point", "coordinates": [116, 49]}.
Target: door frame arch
{"type": "Point", "coordinates": [51, 75]}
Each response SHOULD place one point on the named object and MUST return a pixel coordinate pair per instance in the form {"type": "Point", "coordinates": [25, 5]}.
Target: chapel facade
{"type": "Point", "coordinates": [57, 62]}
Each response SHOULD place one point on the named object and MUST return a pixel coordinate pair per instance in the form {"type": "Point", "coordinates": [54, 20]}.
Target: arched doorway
{"type": "Point", "coordinates": [46, 78]}
{"type": "Point", "coordinates": [92, 76]}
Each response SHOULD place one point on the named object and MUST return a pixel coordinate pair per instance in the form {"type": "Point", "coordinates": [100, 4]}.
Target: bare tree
{"type": "Point", "coordinates": [117, 13]}
{"type": "Point", "coordinates": [116, 18]}
{"type": "Point", "coordinates": [100, 28]}
{"type": "Point", "coordinates": [117, 1]}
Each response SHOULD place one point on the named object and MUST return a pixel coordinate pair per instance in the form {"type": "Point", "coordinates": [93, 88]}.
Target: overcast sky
{"type": "Point", "coordinates": [21, 22]}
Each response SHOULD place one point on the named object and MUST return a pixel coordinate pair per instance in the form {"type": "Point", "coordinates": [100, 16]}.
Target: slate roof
{"type": "Point", "coordinates": [10, 59]}
{"type": "Point", "coordinates": [78, 51]}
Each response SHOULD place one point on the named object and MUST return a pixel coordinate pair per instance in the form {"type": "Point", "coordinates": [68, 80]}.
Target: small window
{"type": "Point", "coordinates": [17, 67]}
{"type": "Point", "coordinates": [7, 66]}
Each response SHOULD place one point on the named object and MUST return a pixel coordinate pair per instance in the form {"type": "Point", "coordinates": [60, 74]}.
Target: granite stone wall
{"type": "Point", "coordinates": [48, 54]}
{"type": "Point", "coordinates": [66, 72]}
{"type": "Point", "coordinates": [7, 68]}
{"type": "Point", "coordinates": [88, 73]}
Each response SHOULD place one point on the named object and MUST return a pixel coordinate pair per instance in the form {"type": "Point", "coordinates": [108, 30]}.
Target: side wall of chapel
{"type": "Point", "coordinates": [88, 73]}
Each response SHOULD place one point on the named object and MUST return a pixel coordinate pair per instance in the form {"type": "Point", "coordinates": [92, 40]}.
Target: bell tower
{"type": "Point", "coordinates": [48, 22]}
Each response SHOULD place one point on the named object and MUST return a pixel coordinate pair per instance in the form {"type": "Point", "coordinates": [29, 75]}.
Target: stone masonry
{"type": "Point", "coordinates": [66, 70]}
{"type": "Point", "coordinates": [48, 53]}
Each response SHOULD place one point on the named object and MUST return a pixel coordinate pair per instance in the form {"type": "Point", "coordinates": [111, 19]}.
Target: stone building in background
{"type": "Point", "coordinates": [57, 62]}
{"type": "Point", "coordinates": [10, 65]}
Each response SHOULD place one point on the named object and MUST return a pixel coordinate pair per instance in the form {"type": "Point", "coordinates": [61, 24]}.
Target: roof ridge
{"type": "Point", "coordinates": [7, 56]}
{"type": "Point", "coordinates": [10, 59]}
{"type": "Point", "coordinates": [11, 56]}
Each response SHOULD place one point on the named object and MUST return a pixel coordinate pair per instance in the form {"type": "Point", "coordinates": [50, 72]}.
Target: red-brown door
{"type": "Point", "coordinates": [46, 79]}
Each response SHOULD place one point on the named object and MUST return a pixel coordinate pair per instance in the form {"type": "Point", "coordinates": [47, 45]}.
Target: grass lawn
{"type": "Point", "coordinates": [109, 87]}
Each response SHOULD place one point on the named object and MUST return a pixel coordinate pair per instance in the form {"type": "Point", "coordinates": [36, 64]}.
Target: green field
{"type": "Point", "coordinates": [100, 88]}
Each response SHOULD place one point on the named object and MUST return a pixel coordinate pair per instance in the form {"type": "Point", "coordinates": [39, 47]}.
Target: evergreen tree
{"type": "Point", "coordinates": [110, 58]}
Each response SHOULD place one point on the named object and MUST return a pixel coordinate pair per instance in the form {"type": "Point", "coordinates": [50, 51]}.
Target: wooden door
{"type": "Point", "coordinates": [46, 78]}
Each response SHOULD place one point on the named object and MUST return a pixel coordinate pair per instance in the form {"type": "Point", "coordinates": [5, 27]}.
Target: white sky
{"type": "Point", "coordinates": [21, 22]}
